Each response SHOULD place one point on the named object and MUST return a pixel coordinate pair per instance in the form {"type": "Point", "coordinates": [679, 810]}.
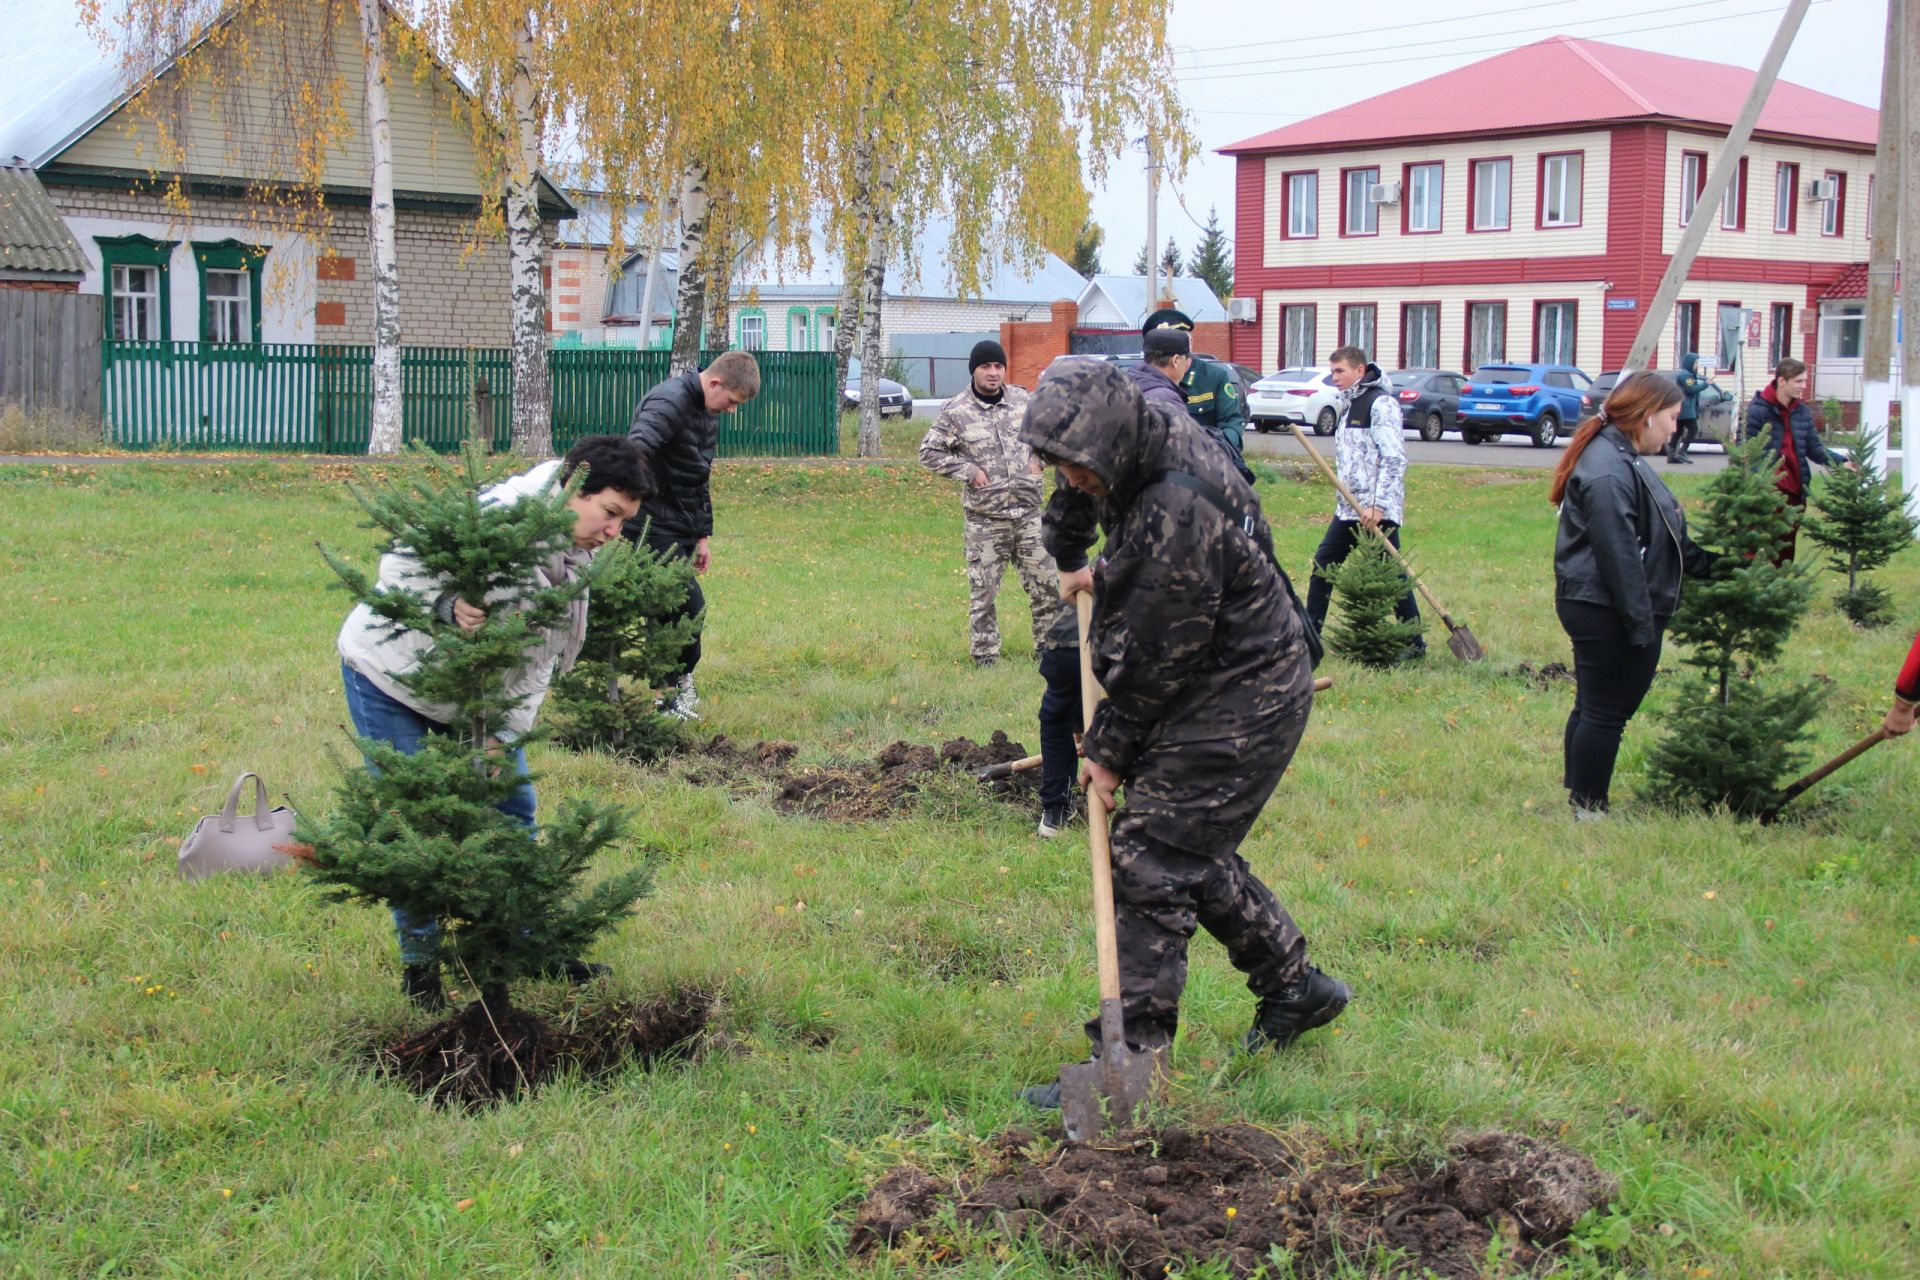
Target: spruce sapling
{"type": "Point", "coordinates": [1368, 584]}
{"type": "Point", "coordinates": [1862, 525]}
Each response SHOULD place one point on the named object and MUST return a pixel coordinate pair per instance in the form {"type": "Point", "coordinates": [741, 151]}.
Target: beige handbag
{"type": "Point", "coordinates": [225, 841]}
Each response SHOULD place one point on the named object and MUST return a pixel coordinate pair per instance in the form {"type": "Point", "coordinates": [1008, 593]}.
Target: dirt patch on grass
{"type": "Point", "coordinates": [1546, 675]}
{"type": "Point", "coordinates": [1144, 1202]}
{"type": "Point", "coordinates": [483, 1055]}
{"type": "Point", "coordinates": [887, 786]}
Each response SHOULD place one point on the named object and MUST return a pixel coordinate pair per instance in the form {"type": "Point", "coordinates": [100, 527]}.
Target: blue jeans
{"type": "Point", "coordinates": [382, 718]}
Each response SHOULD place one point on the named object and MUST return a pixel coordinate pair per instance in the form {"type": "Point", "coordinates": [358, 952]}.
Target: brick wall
{"type": "Point", "coordinates": [1032, 344]}
{"type": "Point", "coordinates": [1210, 337]}
{"type": "Point", "coordinates": [42, 286]}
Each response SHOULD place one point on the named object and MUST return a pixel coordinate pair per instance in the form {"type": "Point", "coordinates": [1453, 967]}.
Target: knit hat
{"type": "Point", "coordinates": [1167, 342]}
{"type": "Point", "coordinates": [986, 351]}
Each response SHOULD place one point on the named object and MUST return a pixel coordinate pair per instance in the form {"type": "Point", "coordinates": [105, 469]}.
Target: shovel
{"type": "Point", "coordinates": [1006, 768]}
{"type": "Point", "coordinates": [1094, 1095]}
{"type": "Point", "coordinates": [1853, 752]}
{"type": "Point", "coordinates": [1459, 638]}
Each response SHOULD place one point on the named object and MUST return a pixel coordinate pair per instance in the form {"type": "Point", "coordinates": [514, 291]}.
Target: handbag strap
{"type": "Point", "coordinates": [260, 818]}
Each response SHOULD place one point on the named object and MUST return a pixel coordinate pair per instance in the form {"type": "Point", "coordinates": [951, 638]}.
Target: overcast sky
{"type": "Point", "coordinates": [1243, 69]}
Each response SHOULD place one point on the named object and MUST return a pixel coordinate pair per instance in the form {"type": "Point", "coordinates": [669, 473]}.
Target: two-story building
{"type": "Point", "coordinates": [1524, 208]}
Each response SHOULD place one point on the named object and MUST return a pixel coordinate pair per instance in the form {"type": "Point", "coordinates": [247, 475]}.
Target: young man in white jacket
{"type": "Point", "coordinates": [373, 657]}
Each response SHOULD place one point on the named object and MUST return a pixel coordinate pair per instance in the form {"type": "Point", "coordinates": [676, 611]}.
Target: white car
{"type": "Point", "coordinates": [1294, 395]}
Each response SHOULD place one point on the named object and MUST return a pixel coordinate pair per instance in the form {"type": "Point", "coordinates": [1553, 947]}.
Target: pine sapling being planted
{"type": "Point", "coordinates": [1367, 585]}
{"type": "Point", "coordinates": [1863, 525]}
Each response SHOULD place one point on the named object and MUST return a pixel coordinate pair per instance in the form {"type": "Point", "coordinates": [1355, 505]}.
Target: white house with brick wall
{"type": "Point", "coordinates": [1525, 206]}
{"type": "Point", "coordinates": [224, 272]}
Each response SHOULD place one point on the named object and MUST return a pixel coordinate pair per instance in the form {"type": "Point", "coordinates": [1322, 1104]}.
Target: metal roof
{"type": "Point", "coordinates": [33, 238]}
{"type": "Point", "coordinates": [1563, 82]}
{"type": "Point", "coordinates": [1128, 294]}
{"type": "Point", "coordinates": [929, 275]}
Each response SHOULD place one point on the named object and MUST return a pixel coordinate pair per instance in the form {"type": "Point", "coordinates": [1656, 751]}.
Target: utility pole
{"type": "Point", "coordinates": [1910, 278]}
{"type": "Point", "coordinates": [1153, 223]}
{"type": "Point", "coordinates": [1876, 388]}
{"type": "Point", "coordinates": [1725, 165]}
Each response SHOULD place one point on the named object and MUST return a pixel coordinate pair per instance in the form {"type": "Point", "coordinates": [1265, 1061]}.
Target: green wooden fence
{"type": "Point", "coordinates": [293, 398]}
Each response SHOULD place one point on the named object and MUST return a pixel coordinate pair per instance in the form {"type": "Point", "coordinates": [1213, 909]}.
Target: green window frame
{"type": "Point", "coordinates": [740, 328]}
{"type": "Point", "coordinates": [229, 255]}
{"type": "Point", "coordinates": [825, 314]}
{"type": "Point", "coordinates": [805, 317]}
{"type": "Point", "coordinates": [136, 251]}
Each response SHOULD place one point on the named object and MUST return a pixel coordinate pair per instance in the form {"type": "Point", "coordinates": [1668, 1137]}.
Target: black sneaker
{"type": "Point", "coordinates": [421, 984]}
{"type": "Point", "coordinates": [1313, 1001]}
{"type": "Point", "coordinates": [578, 972]}
{"type": "Point", "coordinates": [1055, 817]}
{"type": "Point", "coordinates": [1044, 1096]}
{"type": "Point", "coordinates": [985, 660]}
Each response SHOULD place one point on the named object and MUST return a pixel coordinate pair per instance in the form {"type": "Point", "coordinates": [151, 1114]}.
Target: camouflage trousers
{"type": "Point", "coordinates": [990, 543]}
{"type": "Point", "coordinates": [1163, 893]}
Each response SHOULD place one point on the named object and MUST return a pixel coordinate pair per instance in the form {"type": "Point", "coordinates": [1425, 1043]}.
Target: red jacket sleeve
{"type": "Point", "coordinates": [1908, 685]}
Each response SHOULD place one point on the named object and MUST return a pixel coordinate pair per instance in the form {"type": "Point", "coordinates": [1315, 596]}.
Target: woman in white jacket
{"type": "Point", "coordinates": [373, 656]}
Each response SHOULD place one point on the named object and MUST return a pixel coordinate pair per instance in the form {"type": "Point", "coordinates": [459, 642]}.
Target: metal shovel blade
{"type": "Point", "coordinates": [1464, 644]}
{"type": "Point", "coordinates": [1104, 1093]}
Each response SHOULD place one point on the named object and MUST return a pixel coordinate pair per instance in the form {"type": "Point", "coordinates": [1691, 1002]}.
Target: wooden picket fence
{"type": "Point", "coordinates": [299, 398]}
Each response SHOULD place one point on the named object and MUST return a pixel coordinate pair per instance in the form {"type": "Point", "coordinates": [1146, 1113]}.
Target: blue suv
{"type": "Point", "coordinates": [1540, 401]}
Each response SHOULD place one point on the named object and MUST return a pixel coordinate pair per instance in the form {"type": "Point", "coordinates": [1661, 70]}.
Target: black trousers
{"type": "Point", "coordinates": [1060, 719]}
{"type": "Point", "coordinates": [1341, 538]}
{"type": "Point", "coordinates": [1610, 679]}
{"type": "Point", "coordinates": [1685, 432]}
{"type": "Point", "coordinates": [696, 599]}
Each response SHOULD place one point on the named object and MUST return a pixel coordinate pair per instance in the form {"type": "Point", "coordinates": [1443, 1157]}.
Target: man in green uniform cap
{"type": "Point", "coordinates": [1213, 397]}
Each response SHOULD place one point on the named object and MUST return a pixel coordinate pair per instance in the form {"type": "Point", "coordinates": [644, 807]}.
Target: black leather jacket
{"type": "Point", "coordinates": [1623, 538]}
{"type": "Point", "coordinates": [678, 437]}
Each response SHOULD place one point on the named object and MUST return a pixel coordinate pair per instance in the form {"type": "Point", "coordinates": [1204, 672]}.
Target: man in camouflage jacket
{"type": "Point", "coordinates": [1208, 685]}
{"type": "Point", "coordinates": [975, 439]}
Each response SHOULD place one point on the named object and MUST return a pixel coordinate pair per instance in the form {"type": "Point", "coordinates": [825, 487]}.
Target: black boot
{"type": "Point", "coordinates": [421, 984]}
{"type": "Point", "coordinates": [578, 972]}
{"type": "Point", "coordinates": [1313, 1001]}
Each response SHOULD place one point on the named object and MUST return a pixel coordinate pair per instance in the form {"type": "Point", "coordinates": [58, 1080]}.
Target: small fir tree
{"type": "Point", "coordinates": [1170, 262]}
{"type": "Point", "coordinates": [1862, 525]}
{"type": "Point", "coordinates": [1085, 256]}
{"type": "Point", "coordinates": [1213, 257]}
{"type": "Point", "coordinates": [421, 831]}
{"type": "Point", "coordinates": [1141, 262]}
{"type": "Point", "coordinates": [610, 700]}
{"type": "Point", "coordinates": [1729, 738]}
{"type": "Point", "coordinates": [1367, 585]}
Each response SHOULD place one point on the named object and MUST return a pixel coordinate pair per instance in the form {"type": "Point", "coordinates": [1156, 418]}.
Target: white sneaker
{"type": "Point", "coordinates": [686, 703]}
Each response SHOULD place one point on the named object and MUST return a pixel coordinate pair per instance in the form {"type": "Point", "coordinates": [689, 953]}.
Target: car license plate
{"type": "Point", "coordinates": [1494, 407]}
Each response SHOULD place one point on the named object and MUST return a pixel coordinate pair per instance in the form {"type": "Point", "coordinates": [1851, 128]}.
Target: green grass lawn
{"type": "Point", "coordinates": [1722, 1015]}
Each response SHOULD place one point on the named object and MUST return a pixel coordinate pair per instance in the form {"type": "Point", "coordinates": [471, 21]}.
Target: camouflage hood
{"type": "Point", "coordinates": [1094, 417]}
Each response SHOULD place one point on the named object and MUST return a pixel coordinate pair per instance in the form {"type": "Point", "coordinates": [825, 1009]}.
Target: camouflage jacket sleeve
{"type": "Point", "coordinates": [1069, 526]}
{"type": "Point", "coordinates": [1160, 598]}
{"type": "Point", "coordinates": [940, 447]}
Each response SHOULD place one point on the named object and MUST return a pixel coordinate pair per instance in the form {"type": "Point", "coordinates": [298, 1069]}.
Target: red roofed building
{"type": "Point", "coordinates": [1524, 207]}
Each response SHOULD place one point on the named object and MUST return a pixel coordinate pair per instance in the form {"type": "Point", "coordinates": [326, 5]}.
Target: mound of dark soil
{"type": "Point", "coordinates": [859, 791]}
{"type": "Point", "coordinates": [1146, 1201]}
{"type": "Point", "coordinates": [1545, 676]}
{"type": "Point", "coordinates": [485, 1054]}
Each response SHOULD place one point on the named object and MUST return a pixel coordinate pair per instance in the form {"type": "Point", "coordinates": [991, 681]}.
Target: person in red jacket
{"type": "Point", "coordinates": [1906, 693]}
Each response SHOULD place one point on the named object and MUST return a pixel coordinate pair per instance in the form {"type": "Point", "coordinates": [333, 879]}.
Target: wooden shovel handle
{"type": "Point", "coordinates": [1851, 753]}
{"type": "Point", "coordinates": [1106, 944]}
{"type": "Point", "coordinates": [1354, 502]}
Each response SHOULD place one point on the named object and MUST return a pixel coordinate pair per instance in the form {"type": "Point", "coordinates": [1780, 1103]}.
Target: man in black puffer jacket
{"type": "Point", "coordinates": [1203, 659]}
{"type": "Point", "coordinates": [677, 427]}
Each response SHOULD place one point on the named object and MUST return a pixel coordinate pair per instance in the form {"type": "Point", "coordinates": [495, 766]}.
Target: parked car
{"type": "Point", "coordinates": [1718, 422]}
{"type": "Point", "coordinates": [894, 398]}
{"type": "Point", "coordinates": [1429, 400]}
{"type": "Point", "coordinates": [1302, 395]}
{"type": "Point", "coordinates": [1540, 401]}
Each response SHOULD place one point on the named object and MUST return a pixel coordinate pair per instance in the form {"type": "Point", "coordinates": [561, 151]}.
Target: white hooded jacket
{"type": "Point", "coordinates": [369, 646]}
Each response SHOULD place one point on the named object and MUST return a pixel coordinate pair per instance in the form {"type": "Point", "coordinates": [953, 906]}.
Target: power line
{"type": "Point", "coordinates": [1481, 35]}
{"type": "Point", "coordinates": [1461, 53]}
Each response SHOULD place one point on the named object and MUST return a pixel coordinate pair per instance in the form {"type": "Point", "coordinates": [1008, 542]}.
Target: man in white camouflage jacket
{"type": "Point", "coordinates": [1371, 454]}
{"type": "Point", "coordinates": [976, 440]}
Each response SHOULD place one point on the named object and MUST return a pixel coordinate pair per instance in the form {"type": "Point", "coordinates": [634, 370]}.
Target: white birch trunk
{"type": "Point", "coordinates": [847, 318]}
{"type": "Point", "coordinates": [873, 282]}
{"type": "Point", "coordinates": [655, 246]}
{"type": "Point", "coordinates": [690, 300]}
{"type": "Point", "coordinates": [532, 402]}
{"type": "Point", "coordinates": [386, 434]}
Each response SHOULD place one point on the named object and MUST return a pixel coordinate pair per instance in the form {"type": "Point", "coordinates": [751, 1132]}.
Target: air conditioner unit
{"type": "Point", "coordinates": [1384, 193]}
{"type": "Point", "coordinates": [1240, 309]}
{"type": "Point", "coordinates": [1822, 189]}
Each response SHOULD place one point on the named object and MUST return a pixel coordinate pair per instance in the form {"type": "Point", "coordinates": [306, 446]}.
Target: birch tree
{"type": "Point", "coordinates": [387, 429]}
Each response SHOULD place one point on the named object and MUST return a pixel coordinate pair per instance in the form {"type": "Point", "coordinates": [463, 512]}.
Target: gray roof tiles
{"type": "Point", "coordinates": [33, 238]}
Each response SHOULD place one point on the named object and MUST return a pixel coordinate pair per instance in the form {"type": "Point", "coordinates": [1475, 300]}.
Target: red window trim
{"type": "Point", "coordinates": [1405, 307]}
{"type": "Point", "coordinates": [1286, 203]}
{"type": "Point", "coordinates": [1311, 360]}
{"type": "Point", "coordinates": [1473, 195]}
{"type": "Point", "coordinates": [1538, 303]}
{"type": "Point", "coordinates": [1739, 185]}
{"type": "Point", "coordinates": [1839, 206]}
{"type": "Point", "coordinates": [1345, 234]}
{"type": "Point", "coordinates": [1540, 193]}
{"type": "Point", "coordinates": [1406, 199]}
{"type": "Point", "coordinates": [1699, 186]}
{"type": "Point", "coordinates": [1681, 348]}
{"type": "Point", "coordinates": [1340, 334]}
{"type": "Point", "coordinates": [1506, 327]}
{"type": "Point", "coordinates": [1793, 198]}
